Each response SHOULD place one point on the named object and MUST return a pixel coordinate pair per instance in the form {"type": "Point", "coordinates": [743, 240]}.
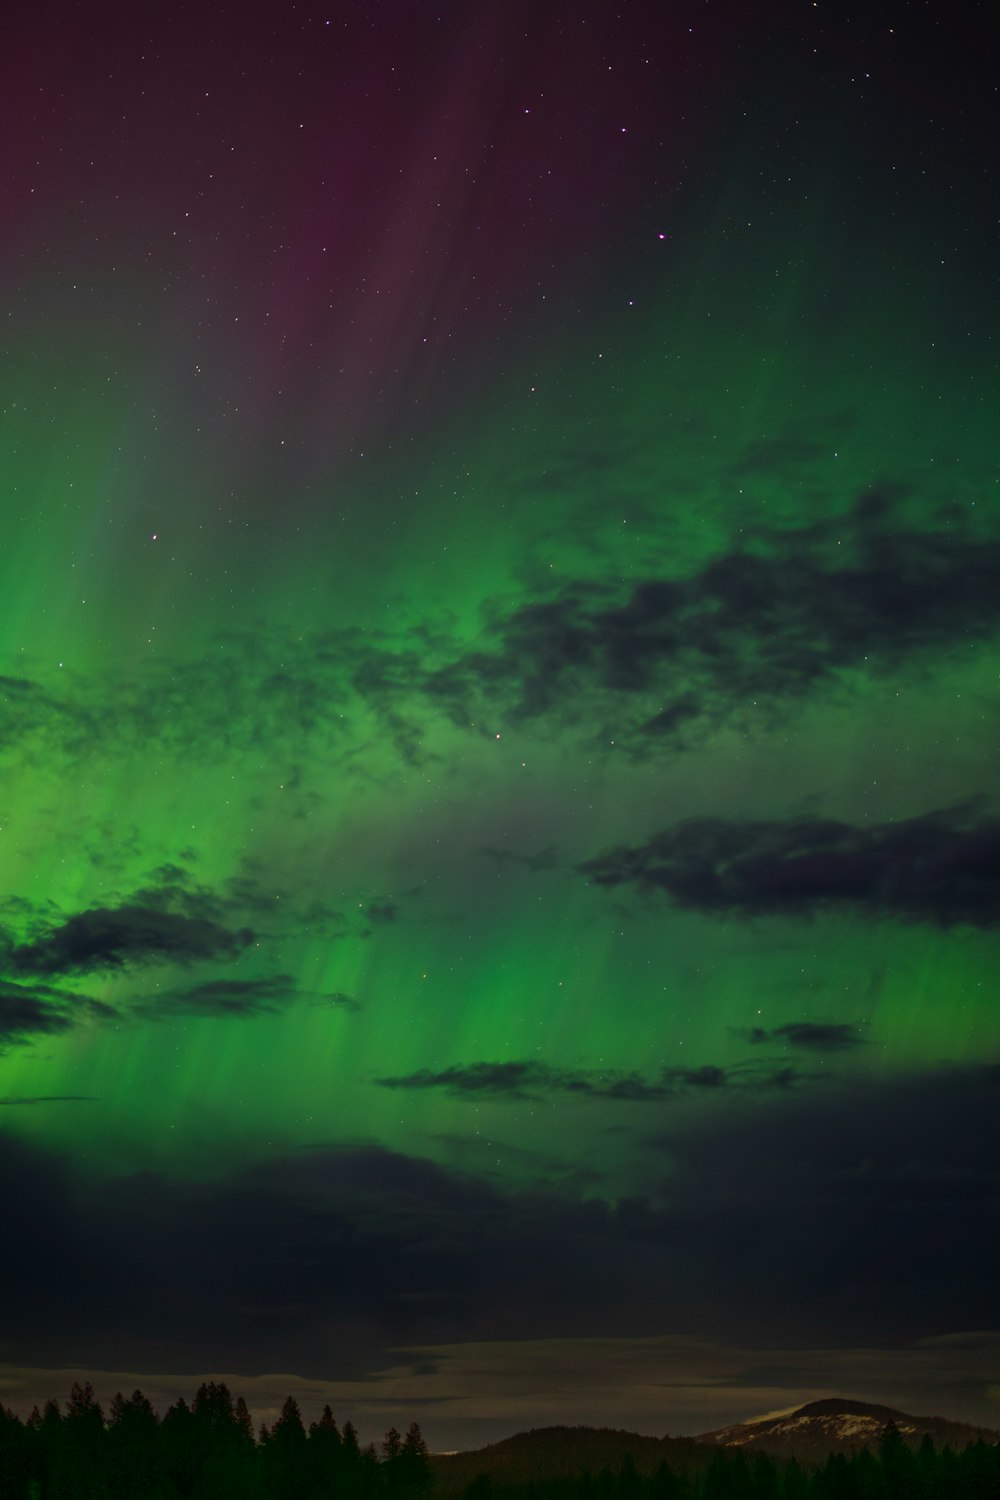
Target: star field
{"type": "Point", "coordinates": [498, 697]}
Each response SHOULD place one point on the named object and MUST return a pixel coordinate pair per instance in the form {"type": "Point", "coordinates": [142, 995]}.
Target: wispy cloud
{"type": "Point", "coordinates": [514, 1081]}
{"type": "Point", "coordinates": [811, 1036]}
{"type": "Point", "coordinates": [234, 999]}
{"type": "Point", "coordinates": [33, 1009]}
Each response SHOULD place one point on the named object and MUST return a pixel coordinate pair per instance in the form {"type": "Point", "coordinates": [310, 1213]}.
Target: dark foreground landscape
{"type": "Point", "coordinates": [209, 1450]}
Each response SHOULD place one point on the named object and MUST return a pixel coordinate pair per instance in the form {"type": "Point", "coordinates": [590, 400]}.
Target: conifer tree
{"type": "Point", "coordinates": [325, 1455]}
{"type": "Point", "coordinates": [286, 1468]}
{"type": "Point", "coordinates": [414, 1464]}
{"type": "Point", "coordinates": [81, 1463]}
{"type": "Point", "coordinates": [177, 1441]}
{"type": "Point", "coordinates": [14, 1457]}
{"type": "Point", "coordinates": [134, 1466]}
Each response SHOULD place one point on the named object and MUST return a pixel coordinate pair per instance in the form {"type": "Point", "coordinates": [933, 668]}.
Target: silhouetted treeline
{"type": "Point", "coordinates": [895, 1472]}
{"type": "Point", "coordinates": [205, 1451]}
{"type": "Point", "coordinates": [210, 1451]}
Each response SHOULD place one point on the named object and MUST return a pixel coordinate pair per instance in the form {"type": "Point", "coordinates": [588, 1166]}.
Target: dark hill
{"type": "Point", "coordinates": [809, 1434]}
{"type": "Point", "coordinates": [563, 1453]}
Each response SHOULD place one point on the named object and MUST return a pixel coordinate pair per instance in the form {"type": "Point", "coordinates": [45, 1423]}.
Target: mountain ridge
{"type": "Point", "coordinates": [841, 1424]}
{"type": "Point", "coordinates": [809, 1433]}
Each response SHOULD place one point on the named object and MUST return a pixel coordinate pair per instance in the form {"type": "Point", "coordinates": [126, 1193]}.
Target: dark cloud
{"type": "Point", "coordinates": [28, 1010]}
{"type": "Point", "coordinates": [798, 1216]}
{"type": "Point", "coordinates": [866, 1194]}
{"type": "Point", "coordinates": [667, 724]}
{"type": "Point", "coordinates": [815, 1036]}
{"type": "Point", "coordinates": [774, 617]}
{"type": "Point", "coordinates": [941, 868]}
{"type": "Point", "coordinates": [512, 1081]}
{"type": "Point", "coordinates": [28, 1099]}
{"type": "Point", "coordinates": [336, 998]}
{"type": "Point", "coordinates": [123, 937]}
{"type": "Point", "coordinates": [237, 999]}
{"type": "Point", "coordinates": [545, 859]}
{"type": "Point", "coordinates": [776, 457]}
{"type": "Point", "coordinates": [23, 1013]}
{"type": "Point", "coordinates": [484, 1154]}
{"type": "Point", "coordinates": [708, 1077]}
{"type": "Point", "coordinates": [381, 913]}
{"type": "Point", "coordinates": [508, 1080]}
{"type": "Point", "coordinates": [753, 630]}
{"type": "Point", "coordinates": [251, 689]}
{"type": "Point", "coordinates": [173, 888]}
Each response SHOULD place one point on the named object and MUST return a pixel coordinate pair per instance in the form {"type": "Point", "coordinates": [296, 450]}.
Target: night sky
{"type": "Point", "coordinates": [499, 846]}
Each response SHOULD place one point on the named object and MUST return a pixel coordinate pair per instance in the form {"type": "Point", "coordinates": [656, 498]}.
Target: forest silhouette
{"type": "Point", "coordinates": [209, 1450]}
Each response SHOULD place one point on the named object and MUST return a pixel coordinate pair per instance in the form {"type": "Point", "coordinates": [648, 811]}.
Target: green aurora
{"type": "Point", "coordinates": [368, 779]}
